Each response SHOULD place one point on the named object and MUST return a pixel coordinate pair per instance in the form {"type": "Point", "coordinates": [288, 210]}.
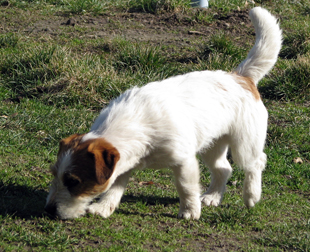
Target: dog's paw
{"type": "Point", "coordinates": [189, 214]}
{"type": "Point", "coordinates": [66, 214]}
{"type": "Point", "coordinates": [250, 200]}
{"type": "Point", "coordinates": [213, 199]}
{"type": "Point", "coordinates": [103, 209]}
{"type": "Point", "coordinates": [250, 203]}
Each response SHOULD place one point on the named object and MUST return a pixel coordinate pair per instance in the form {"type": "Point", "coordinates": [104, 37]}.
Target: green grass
{"type": "Point", "coordinates": [293, 80]}
{"type": "Point", "coordinates": [8, 40]}
{"type": "Point", "coordinates": [97, 7]}
{"type": "Point", "coordinates": [154, 6]}
{"type": "Point", "coordinates": [54, 84]}
{"type": "Point", "coordinates": [137, 58]}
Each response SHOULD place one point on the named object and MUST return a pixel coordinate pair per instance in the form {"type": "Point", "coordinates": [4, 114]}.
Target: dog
{"type": "Point", "coordinates": [165, 124]}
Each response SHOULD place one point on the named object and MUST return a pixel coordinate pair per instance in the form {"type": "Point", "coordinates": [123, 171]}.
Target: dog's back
{"type": "Point", "coordinates": [189, 101]}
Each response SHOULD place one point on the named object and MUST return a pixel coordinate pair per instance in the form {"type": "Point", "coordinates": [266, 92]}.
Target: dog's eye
{"type": "Point", "coordinates": [71, 180]}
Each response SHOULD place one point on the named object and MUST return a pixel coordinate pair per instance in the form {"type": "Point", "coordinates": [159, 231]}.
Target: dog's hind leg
{"type": "Point", "coordinates": [216, 160]}
{"type": "Point", "coordinates": [252, 187]}
{"type": "Point", "coordinates": [188, 187]}
{"type": "Point", "coordinates": [248, 154]}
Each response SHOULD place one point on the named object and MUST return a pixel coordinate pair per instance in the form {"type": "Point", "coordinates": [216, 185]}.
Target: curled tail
{"type": "Point", "coordinates": [264, 53]}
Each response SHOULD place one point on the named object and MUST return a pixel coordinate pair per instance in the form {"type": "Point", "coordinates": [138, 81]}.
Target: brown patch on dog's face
{"type": "Point", "coordinates": [65, 145]}
{"type": "Point", "coordinates": [91, 164]}
{"type": "Point", "coordinates": [70, 142]}
{"type": "Point", "coordinates": [248, 84]}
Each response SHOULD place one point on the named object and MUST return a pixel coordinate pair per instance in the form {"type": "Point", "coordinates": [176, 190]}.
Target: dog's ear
{"type": "Point", "coordinates": [105, 156]}
{"type": "Point", "coordinates": [69, 142]}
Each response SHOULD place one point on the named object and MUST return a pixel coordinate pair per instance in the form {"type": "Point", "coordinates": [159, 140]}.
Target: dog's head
{"type": "Point", "coordinates": [81, 173]}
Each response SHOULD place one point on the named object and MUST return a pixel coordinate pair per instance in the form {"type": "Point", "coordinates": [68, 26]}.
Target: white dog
{"type": "Point", "coordinates": [165, 124]}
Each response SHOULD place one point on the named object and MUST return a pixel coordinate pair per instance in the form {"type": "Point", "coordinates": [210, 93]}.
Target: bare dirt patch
{"type": "Point", "coordinates": [178, 29]}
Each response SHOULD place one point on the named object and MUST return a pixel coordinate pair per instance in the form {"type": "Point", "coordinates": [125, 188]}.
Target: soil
{"type": "Point", "coordinates": [176, 29]}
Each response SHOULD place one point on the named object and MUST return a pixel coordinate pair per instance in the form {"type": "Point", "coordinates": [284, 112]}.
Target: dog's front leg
{"type": "Point", "coordinates": [187, 183]}
{"type": "Point", "coordinates": [110, 200]}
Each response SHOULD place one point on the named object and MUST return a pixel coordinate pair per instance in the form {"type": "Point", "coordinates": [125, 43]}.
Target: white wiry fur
{"type": "Point", "coordinates": [267, 46]}
{"type": "Point", "coordinates": [165, 124]}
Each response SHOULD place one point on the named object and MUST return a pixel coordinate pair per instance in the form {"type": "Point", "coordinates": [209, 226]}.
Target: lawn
{"type": "Point", "coordinates": [61, 61]}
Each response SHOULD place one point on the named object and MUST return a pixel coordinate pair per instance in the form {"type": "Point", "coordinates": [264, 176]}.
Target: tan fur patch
{"type": "Point", "coordinates": [106, 156]}
{"type": "Point", "coordinates": [93, 163]}
{"type": "Point", "coordinates": [248, 84]}
{"type": "Point", "coordinates": [70, 142]}
{"type": "Point", "coordinates": [221, 86]}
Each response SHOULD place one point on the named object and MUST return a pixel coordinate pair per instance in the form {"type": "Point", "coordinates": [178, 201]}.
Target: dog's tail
{"type": "Point", "coordinates": [264, 53]}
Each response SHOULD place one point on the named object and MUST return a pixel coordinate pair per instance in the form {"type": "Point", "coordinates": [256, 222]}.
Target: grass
{"type": "Point", "coordinates": [53, 84]}
{"type": "Point", "coordinates": [154, 6]}
{"type": "Point", "coordinates": [294, 83]}
{"type": "Point", "coordinates": [8, 40]}
{"type": "Point", "coordinates": [137, 58]}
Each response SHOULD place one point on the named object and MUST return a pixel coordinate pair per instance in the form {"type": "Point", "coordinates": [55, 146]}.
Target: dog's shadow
{"type": "Point", "coordinates": [21, 201]}
{"type": "Point", "coordinates": [28, 203]}
{"type": "Point", "coordinates": [147, 201]}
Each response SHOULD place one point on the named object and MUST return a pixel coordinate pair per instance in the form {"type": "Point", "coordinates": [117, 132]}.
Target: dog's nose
{"type": "Point", "coordinates": [51, 209]}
